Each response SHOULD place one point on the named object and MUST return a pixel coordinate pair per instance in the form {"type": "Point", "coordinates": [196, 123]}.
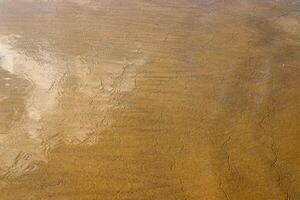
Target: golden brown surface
{"type": "Point", "coordinates": [149, 100]}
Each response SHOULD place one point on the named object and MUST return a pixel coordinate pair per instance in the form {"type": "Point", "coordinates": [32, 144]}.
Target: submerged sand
{"type": "Point", "coordinates": [149, 100]}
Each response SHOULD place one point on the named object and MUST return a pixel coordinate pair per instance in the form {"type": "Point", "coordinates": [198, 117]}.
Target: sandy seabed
{"type": "Point", "coordinates": [149, 100]}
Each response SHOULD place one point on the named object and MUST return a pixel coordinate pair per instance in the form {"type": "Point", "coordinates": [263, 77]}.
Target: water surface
{"type": "Point", "coordinates": [149, 100]}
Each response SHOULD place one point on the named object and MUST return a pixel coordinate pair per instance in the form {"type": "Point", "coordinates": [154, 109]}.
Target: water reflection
{"type": "Point", "coordinates": [61, 99]}
{"type": "Point", "coordinates": [149, 99]}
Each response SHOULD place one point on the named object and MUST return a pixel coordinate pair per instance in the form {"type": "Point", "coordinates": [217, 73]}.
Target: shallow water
{"type": "Point", "coordinates": [149, 100]}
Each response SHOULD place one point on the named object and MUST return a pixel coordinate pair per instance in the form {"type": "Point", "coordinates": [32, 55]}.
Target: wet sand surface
{"type": "Point", "coordinates": [149, 100]}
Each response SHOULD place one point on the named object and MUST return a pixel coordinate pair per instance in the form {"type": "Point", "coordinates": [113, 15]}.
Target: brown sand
{"type": "Point", "coordinates": [149, 100]}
